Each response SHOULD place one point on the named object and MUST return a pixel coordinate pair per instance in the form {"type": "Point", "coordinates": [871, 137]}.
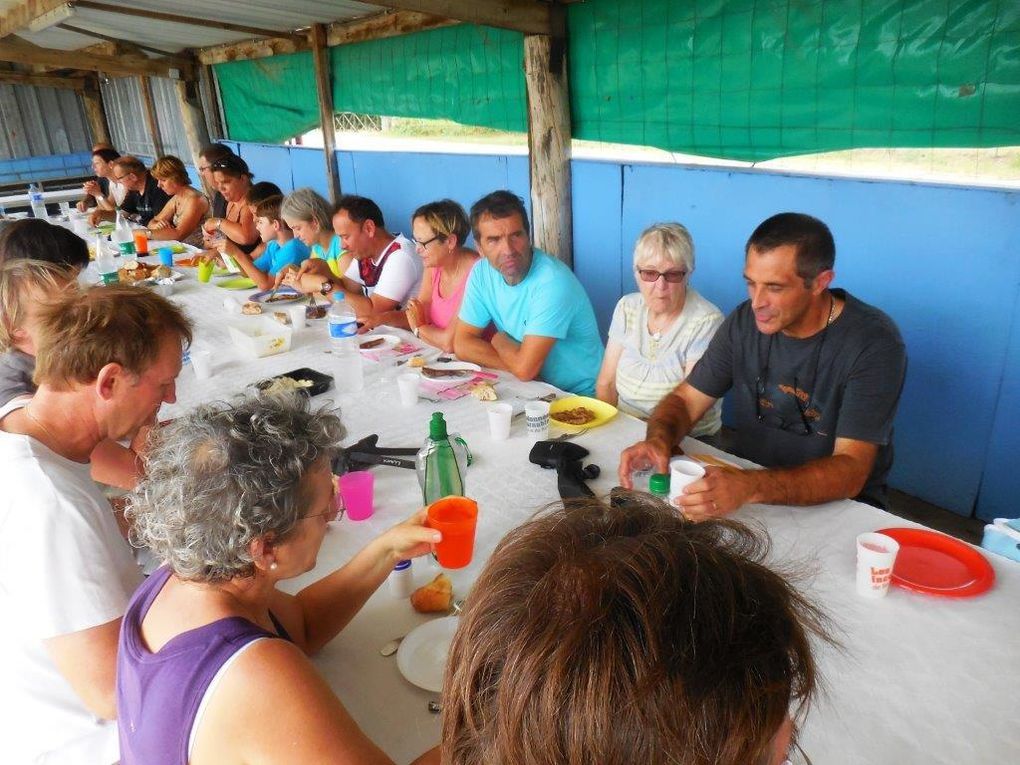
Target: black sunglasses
{"type": "Point", "coordinates": [651, 275]}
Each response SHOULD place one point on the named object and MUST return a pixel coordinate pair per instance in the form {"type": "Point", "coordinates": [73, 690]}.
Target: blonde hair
{"type": "Point", "coordinates": [671, 240]}
{"type": "Point", "coordinates": [17, 279]}
{"type": "Point", "coordinates": [170, 168]}
{"type": "Point", "coordinates": [445, 217]}
{"type": "Point", "coordinates": [83, 331]}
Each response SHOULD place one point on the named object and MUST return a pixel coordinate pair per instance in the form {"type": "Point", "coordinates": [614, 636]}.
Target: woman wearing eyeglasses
{"type": "Point", "coordinates": [212, 665]}
{"type": "Point", "coordinates": [659, 333]}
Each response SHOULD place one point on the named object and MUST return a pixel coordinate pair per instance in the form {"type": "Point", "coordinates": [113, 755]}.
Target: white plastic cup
{"type": "Point", "coordinates": [683, 471]}
{"type": "Point", "coordinates": [499, 421]}
{"type": "Point", "coordinates": [876, 554]}
{"type": "Point", "coordinates": [202, 362]}
{"type": "Point", "coordinates": [298, 316]}
{"type": "Point", "coordinates": [537, 415]}
{"type": "Point", "coordinates": [408, 384]}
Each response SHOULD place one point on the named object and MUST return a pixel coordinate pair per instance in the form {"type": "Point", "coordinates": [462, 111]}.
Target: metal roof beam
{"type": "Point", "coordinates": [527, 16]}
{"type": "Point", "coordinates": [177, 19]}
{"type": "Point", "coordinates": [116, 65]}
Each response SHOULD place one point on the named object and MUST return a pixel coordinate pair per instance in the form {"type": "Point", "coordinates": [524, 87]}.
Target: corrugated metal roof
{"type": "Point", "coordinates": [41, 121]}
{"type": "Point", "coordinates": [172, 37]}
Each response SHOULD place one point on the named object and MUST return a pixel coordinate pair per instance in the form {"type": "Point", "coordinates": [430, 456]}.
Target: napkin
{"type": "Point", "coordinates": [451, 390]}
{"type": "Point", "coordinates": [400, 349]}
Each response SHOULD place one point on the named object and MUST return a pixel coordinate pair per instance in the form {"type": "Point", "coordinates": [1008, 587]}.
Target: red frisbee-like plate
{"type": "Point", "coordinates": [937, 564]}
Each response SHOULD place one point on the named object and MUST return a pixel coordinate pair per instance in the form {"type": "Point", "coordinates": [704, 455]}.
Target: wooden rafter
{"type": "Point", "coordinates": [22, 53]}
{"type": "Point", "coordinates": [178, 19]}
{"type": "Point", "coordinates": [18, 17]}
{"type": "Point", "coordinates": [528, 16]}
{"type": "Point", "coordinates": [42, 80]}
{"type": "Point", "coordinates": [127, 43]}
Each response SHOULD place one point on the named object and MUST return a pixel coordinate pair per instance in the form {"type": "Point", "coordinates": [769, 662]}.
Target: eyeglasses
{"type": "Point", "coordinates": [422, 245]}
{"type": "Point", "coordinates": [119, 178]}
{"type": "Point", "coordinates": [336, 511]}
{"type": "Point", "coordinates": [651, 275]}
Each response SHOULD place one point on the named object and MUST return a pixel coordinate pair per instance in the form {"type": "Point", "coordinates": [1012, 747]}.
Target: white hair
{"type": "Point", "coordinates": [669, 240]}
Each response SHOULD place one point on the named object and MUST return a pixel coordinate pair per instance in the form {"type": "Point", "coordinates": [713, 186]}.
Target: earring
{"type": "Point", "coordinates": [272, 566]}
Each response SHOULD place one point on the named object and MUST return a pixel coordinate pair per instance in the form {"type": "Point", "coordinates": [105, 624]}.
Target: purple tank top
{"type": "Point", "coordinates": [158, 694]}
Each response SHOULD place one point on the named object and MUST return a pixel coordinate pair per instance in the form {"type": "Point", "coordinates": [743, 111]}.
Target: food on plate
{"type": "Point", "coordinates": [280, 296]}
{"type": "Point", "coordinates": [251, 308]}
{"type": "Point", "coordinates": [434, 597]}
{"type": "Point", "coordinates": [436, 373]}
{"type": "Point", "coordinates": [133, 271]}
{"type": "Point", "coordinates": [162, 272]}
{"type": "Point", "coordinates": [483, 391]}
{"type": "Point", "coordinates": [284, 384]}
{"type": "Point", "coordinates": [316, 311]}
{"type": "Point", "coordinates": [417, 362]}
{"type": "Point", "coordinates": [282, 316]}
{"type": "Point", "coordinates": [579, 415]}
{"type": "Point", "coordinates": [372, 343]}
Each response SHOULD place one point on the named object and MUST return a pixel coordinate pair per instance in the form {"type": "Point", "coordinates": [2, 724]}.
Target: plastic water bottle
{"type": "Point", "coordinates": [441, 469]}
{"type": "Point", "coordinates": [35, 199]}
{"type": "Point", "coordinates": [343, 333]}
{"type": "Point", "coordinates": [106, 264]}
{"type": "Point", "coordinates": [122, 237]}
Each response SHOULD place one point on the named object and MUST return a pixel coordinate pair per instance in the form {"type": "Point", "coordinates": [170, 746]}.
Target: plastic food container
{"type": "Point", "coordinates": [260, 336]}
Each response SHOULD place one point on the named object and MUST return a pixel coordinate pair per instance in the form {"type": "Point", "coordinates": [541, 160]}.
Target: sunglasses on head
{"type": "Point", "coordinates": [651, 275]}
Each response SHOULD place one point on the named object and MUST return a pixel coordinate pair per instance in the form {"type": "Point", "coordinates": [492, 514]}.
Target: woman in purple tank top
{"type": "Point", "coordinates": [212, 664]}
{"type": "Point", "coordinates": [440, 230]}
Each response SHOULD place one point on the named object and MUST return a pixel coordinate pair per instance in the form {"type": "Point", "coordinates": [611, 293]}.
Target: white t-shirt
{"type": "Point", "coordinates": [401, 275]}
{"type": "Point", "coordinates": [64, 567]}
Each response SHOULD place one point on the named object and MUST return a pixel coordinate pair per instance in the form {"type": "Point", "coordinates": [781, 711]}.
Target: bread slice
{"type": "Point", "coordinates": [434, 597]}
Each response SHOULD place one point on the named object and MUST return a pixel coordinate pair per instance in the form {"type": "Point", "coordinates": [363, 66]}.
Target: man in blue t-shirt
{"type": "Point", "coordinates": [545, 323]}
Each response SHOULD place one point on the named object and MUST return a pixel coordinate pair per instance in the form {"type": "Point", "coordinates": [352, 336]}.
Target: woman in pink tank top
{"type": "Point", "coordinates": [440, 229]}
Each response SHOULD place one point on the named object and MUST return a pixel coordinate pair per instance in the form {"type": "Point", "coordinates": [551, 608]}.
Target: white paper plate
{"type": "Point", "coordinates": [465, 369]}
{"type": "Point", "coordinates": [388, 341]}
{"type": "Point", "coordinates": [421, 657]}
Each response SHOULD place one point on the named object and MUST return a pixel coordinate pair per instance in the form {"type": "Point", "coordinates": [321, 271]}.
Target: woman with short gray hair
{"type": "Point", "coordinates": [310, 217]}
{"type": "Point", "coordinates": [659, 333]}
{"type": "Point", "coordinates": [212, 664]}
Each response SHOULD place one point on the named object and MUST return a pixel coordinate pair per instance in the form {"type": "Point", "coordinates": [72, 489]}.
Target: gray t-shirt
{"type": "Point", "coordinates": [16, 370]}
{"type": "Point", "coordinates": [793, 397]}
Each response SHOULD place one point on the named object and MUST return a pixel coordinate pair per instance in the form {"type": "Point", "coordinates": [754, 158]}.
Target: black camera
{"type": "Point", "coordinates": [565, 458]}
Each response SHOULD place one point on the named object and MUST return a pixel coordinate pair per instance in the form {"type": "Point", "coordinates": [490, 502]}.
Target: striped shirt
{"type": "Point", "coordinates": [651, 366]}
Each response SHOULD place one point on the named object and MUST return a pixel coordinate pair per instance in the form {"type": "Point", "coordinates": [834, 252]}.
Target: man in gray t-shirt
{"type": "Point", "coordinates": [815, 376]}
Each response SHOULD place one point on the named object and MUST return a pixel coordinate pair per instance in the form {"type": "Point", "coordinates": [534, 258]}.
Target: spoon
{"type": "Point", "coordinates": [391, 647]}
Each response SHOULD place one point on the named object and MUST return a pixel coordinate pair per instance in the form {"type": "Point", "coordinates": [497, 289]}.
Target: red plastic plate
{"type": "Point", "coordinates": [937, 564]}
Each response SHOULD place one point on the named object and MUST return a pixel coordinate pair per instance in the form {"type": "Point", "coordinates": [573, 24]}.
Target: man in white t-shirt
{"type": "Point", "coordinates": [384, 273]}
{"type": "Point", "coordinates": [107, 359]}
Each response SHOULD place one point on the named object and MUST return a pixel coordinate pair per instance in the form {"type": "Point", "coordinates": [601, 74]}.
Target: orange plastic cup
{"type": "Point", "coordinates": [141, 242]}
{"type": "Point", "coordinates": [455, 518]}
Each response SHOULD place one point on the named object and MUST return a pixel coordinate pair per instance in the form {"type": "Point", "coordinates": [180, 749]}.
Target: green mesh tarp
{"type": "Point", "coordinates": [753, 80]}
{"type": "Point", "coordinates": [268, 100]}
{"type": "Point", "coordinates": [468, 74]}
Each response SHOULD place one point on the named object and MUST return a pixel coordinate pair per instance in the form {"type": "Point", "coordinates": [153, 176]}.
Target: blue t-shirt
{"type": "Point", "coordinates": [277, 255]}
{"type": "Point", "coordinates": [549, 302]}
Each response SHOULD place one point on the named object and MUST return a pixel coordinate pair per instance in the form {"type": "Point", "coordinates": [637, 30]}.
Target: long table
{"type": "Point", "coordinates": [918, 679]}
{"type": "Point", "coordinates": [49, 197]}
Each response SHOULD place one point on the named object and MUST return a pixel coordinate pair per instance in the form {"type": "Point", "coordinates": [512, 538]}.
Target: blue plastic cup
{"type": "Point", "coordinates": [166, 257]}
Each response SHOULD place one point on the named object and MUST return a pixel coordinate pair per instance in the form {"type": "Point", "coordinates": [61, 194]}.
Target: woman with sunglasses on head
{"type": "Point", "coordinates": [212, 665]}
{"type": "Point", "coordinates": [233, 179]}
{"type": "Point", "coordinates": [658, 334]}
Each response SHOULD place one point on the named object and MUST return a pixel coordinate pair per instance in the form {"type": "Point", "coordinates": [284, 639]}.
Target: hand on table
{"type": "Point", "coordinates": [721, 492]}
{"type": "Point", "coordinates": [96, 216]}
{"type": "Point", "coordinates": [411, 538]}
{"type": "Point", "coordinates": [640, 456]}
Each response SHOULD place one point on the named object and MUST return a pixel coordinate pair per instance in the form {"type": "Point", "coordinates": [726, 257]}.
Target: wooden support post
{"type": "Point", "coordinates": [549, 145]}
{"type": "Point", "coordinates": [150, 116]}
{"type": "Point", "coordinates": [193, 116]}
{"type": "Point", "coordinates": [211, 104]}
{"type": "Point", "coordinates": [92, 100]}
{"type": "Point", "coordinates": [324, 89]}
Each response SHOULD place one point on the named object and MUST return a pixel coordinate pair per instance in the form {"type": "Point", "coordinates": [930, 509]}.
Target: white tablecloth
{"type": "Point", "coordinates": [919, 680]}
{"type": "Point", "coordinates": [50, 197]}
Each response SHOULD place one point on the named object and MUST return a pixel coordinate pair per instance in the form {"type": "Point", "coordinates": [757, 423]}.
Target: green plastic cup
{"type": "Point", "coordinates": [205, 269]}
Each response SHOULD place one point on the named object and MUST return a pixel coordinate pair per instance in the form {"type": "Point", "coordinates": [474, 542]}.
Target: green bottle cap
{"type": "Point", "coordinates": [437, 427]}
{"type": "Point", "coordinates": [658, 484]}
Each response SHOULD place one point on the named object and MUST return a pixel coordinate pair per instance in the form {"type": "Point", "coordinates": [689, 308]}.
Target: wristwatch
{"type": "Point", "coordinates": [219, 224]}
{"type": "Point", "coordinates": [326, 287]}
{"type": "Point", "coordinates": [416, 331]}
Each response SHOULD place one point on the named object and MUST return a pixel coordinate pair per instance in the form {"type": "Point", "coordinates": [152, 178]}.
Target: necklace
{"type": "Point", "coordinates": [832, 309]}
{"type": "Point", "coordinates": [33, 418]}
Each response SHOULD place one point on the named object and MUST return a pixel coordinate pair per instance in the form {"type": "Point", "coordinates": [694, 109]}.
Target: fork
{"type": "Point", "coordinates": [569, 436]}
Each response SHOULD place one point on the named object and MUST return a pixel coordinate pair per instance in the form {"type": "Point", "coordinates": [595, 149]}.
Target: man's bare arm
{"type": "Point", "coordinates": [88, 661]}
{"type": "Point", "coordinates": [523, 360]}
{"type": "Point", "coordinates": [469, 345]}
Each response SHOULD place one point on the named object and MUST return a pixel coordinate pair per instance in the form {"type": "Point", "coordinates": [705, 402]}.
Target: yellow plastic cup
{"type": "Point", "coordinates": [205, 268]}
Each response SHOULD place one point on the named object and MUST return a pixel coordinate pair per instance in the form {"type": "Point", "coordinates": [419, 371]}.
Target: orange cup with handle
{"type": "Point", "coordinates": [456, 518]}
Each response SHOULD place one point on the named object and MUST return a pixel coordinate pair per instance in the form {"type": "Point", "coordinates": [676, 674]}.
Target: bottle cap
{"type": "Point", "coordinates": [338, 296]}
{"type": "Point", "coordinates": [402, 565]}
{"type": "Point", "coordinates": [437, 427]}
{"type": "Point", "coordinates": [659, 484]}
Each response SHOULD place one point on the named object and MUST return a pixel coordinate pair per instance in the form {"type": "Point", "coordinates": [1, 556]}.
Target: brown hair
{"type": "Point", "coordinates": [270, 208]}
{"type": "Point", "coordinates": [445, 217]}
{"type": "Point", "coordinates": [626, 634]}
{"type": "Point", "coordinates": [17, 278]}
{"type": "Point", "coordinates": [170, 168]}
{"type": "Point", "coordinates": [83, 331]}
{"type": "Point", "coordinates": [498, 205]}
{"type": "Point", "coordinates": [130, 165]}
{"type": "Point", "coordinates": [37, 239]}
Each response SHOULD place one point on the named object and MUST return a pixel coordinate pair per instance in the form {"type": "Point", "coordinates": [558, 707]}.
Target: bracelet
{"type": "Point", "coordinates": [416, 331]}
{"type": "Point", "coordinates": [219, 224]}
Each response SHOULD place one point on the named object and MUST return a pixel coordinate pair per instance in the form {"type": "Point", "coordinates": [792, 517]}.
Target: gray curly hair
{"type": "Point", "coordinates": [224, 475]}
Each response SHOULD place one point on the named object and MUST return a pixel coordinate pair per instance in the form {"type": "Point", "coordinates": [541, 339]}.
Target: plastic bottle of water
{"type": "Point", "coordinates": [343, 333]}
{"type": "Point", "coordinates": [441, 468]}
{"type": "Point", "coordinates": [122, 237]}
{"type": "Point", "coordinates": [35, 199]}
{"type": "Point", "coordinates": [106, 263]}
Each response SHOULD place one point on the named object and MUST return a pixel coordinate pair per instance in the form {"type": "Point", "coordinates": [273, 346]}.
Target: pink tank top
{"type": "Point", "coordinates": [442, 310]}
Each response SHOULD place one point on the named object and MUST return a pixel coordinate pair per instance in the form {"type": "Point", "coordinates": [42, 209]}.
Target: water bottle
{"type": "Point", "coordinates": [440, 466]}
{"type": "Point", "coordinates": [658, 486]}
{"type": "Point", "coordinates": [106, 264]}
{"type": "Point", "coordinates": [343, 333]}
{"type": "Point", "coordinates": [122, 237]}
{"type": "Point", "coordinates": [35, 198]}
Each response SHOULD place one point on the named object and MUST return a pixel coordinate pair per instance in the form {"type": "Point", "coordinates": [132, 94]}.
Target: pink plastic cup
{"type": "Point", "coordinates": [357, 489]}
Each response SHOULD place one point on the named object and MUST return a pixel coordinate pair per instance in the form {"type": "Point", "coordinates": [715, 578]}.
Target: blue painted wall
{"type": "Point", "coordinates": [940, 260]}
{"type": "Point", "coordinates": [56, 166]}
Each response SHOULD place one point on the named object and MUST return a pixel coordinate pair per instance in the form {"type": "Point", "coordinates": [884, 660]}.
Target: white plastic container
{"type": "Point", "coordinates": [402, 580]}
{"type": "Point", "coordinates": [260, 336]}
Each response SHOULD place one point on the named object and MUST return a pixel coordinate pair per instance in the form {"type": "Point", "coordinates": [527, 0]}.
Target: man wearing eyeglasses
{"type": "Point", "coordinates": [144, 198]}
{"type": "Point", "coordinates": [815, 377]}
{"type": "Point", "coordinates": [545, 323]}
